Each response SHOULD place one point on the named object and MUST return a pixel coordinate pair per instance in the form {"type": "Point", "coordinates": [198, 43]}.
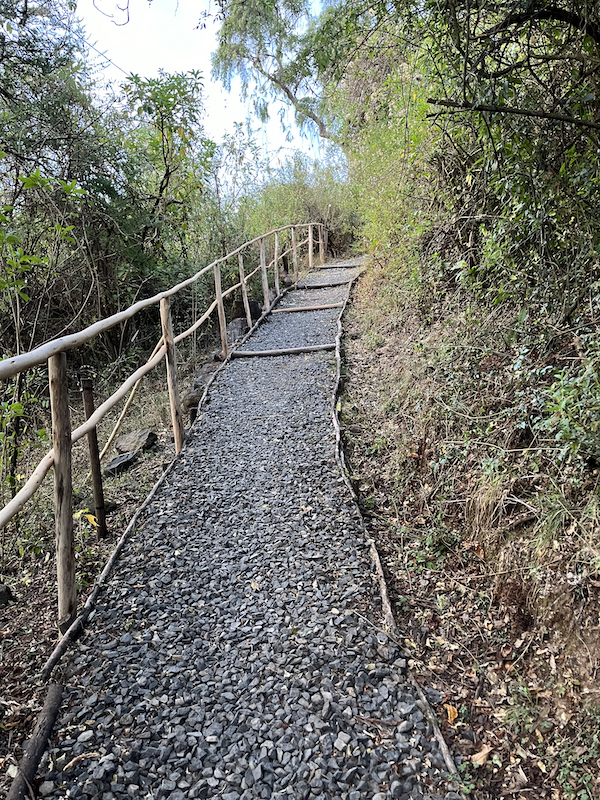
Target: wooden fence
{"type": "Point", "coordinates": [55, 354]}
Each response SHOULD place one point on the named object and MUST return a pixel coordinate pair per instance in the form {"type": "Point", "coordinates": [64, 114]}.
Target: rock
{"type": "Point", "coordinates": [191, 399]}
{"type": "Point", "coordinates": [5, 595]}
{"type": "Point", "coordinates": [204, 373]}
{"type": "Point", "coordinates": [119, 464]}
{"type": "Point", "coordinates": [135, 441]}
{"type": "Point", "coordinates": [236, 329]}
{"type": "Point", "coordinates": [255, 309]}
{"type": "Point", "coordinates": [189, 402]}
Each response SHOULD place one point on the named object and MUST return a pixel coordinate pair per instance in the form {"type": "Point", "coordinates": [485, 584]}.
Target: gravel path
{"type": "Point", "coordinates": [236, 651]}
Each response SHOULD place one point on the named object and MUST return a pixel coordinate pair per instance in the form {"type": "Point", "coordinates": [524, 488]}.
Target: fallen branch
{"type": "Point", "coordinates": [35, 746]}
{"type": "Point", "coordinates": [323, 285]}
{"type": "Point", "coordinates": [77, 759]}
{"type": "Point", "coordinates": [307, 308]}
{"type": "Point", "coordinates": [432, 719]}
{"type": "Point", "coordinates": [521, 519]}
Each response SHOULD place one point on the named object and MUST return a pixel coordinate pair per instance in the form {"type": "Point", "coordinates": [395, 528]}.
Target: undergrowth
{"type": "Point", "coordinates": [27, 542]}
{"type": "Point", "coordinates": [471, 436]}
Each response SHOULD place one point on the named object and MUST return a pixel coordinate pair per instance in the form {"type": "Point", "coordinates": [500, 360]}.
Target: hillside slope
{"type": "Point", "coordinates": [487, 524]}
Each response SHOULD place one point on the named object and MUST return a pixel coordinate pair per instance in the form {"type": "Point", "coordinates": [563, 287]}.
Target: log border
{"type": "Point", "coordinates": [36, 745]}
{"type": "Point", "coordinates": [288, 351]}
{"type": "Point", "coordinates": [390, 627]}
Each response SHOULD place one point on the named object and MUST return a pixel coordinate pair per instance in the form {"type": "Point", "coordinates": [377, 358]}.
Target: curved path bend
{"type": "Point", "coordinates": [236, 650]}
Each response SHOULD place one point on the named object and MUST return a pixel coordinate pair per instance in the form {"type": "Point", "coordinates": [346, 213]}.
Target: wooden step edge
{"type": "Point", "coordinates": [306, 308]}
{"type": "Point", "coordinates": [289, 351]}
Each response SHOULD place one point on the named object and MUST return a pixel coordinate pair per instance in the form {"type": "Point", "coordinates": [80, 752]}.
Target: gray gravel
{"type": "Point", "coordinates": [308, 297]}
{"type": "Point", "coordinates": [330, 275]}
{"type": "Point", "coordinates": [293, 330]}
{"type": "Point", "coordinates": [237, 650]}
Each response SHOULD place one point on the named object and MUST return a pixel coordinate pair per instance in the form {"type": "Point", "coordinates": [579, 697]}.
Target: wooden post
{"type": "Point", "coordinates": [295, 254]}
{"type": "Point", "coordinates": [326, 230]}
{"type": "Point", "coordinates": [220, 310]}
{"type": "Point", "coordinates": [321, 245]}
{"type": "Point", "coordinates": [171, 359]}
{"type": "Point", "coordinates": [63, 490]}
{"type": "Point", "coordinates": [88, 407]}
{"type": "Point", "coordinates": [263, 272]}
{"type": "Point", "coordinates": [310, 248]}
{"type": "Point", "coordinates": [244, 291]}
{"type": "Point", "coordinates": [276, 262]}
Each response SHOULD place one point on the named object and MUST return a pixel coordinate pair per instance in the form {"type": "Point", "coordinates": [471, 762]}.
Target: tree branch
{"type": "Point", "coordinates": [550, 13]}
{"type": "Point", "coordinates": [582, 123]}
{"type": "Point", "coordinates": [324, 133]}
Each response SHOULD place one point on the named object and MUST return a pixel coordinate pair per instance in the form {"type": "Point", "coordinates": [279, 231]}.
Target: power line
{"type": "Point", "coordinates": [100, 53]}
{"type": "Point", "coordinates": [105, 57]}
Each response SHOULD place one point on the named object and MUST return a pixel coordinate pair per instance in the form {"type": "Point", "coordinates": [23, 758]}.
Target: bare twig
{"type": "Point", "coordinates": [523, 112]}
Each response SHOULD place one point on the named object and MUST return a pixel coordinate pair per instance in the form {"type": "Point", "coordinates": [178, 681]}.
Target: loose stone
{"type": "Point", "coordinates": [236, 649]}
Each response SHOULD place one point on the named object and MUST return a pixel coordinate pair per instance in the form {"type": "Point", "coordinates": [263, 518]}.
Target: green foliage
{"type": "Point", "coordinates": [515, 191]}
{"type": "Point", "coordinates": [171, 162]}
{"type": "Point", "coordinates": [303, 191]}
{"type": "Point", "coordinates": [112, 203]}
{"type": "Point", "coordinates": [265, 44]}
{"type": "Point", "coordinates": [467, 776]}
{"type": "Point", "coordinates": [579, 757]}
{"type": "Point", "coordinates": [573, 410]}
{"type": "Point", "coordinates": [429, 550]}
{"type": "Point", "coordinates": [19, 405]}
{"type": "Point", "coordinates": [389, 169]}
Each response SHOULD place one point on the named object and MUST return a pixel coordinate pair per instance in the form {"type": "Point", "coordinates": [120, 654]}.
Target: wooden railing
{"type": "Point", "coordinates": [55, 353]}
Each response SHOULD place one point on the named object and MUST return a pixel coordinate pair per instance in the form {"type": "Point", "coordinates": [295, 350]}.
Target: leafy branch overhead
{"type": "Point", "coordinates": [480, 54]}
{"type": "Point", "coordinates": [265, 45]}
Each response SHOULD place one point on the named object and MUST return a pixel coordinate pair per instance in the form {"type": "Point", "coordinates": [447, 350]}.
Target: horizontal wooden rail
{"type": "Point", "coordinates": [54, 352]}
{"type": "Point", "coordinates": [258, 238]}
{"type": "Point", "coordinates": [12, 366]}
{"type": "Point", "coordinates": [15, 364]}
{"type": "Point", "coordinates": [42, 469]}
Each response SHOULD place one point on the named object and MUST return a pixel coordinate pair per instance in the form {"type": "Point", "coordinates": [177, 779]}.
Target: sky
{"type": "Point", "coordinates": [165, 34]}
